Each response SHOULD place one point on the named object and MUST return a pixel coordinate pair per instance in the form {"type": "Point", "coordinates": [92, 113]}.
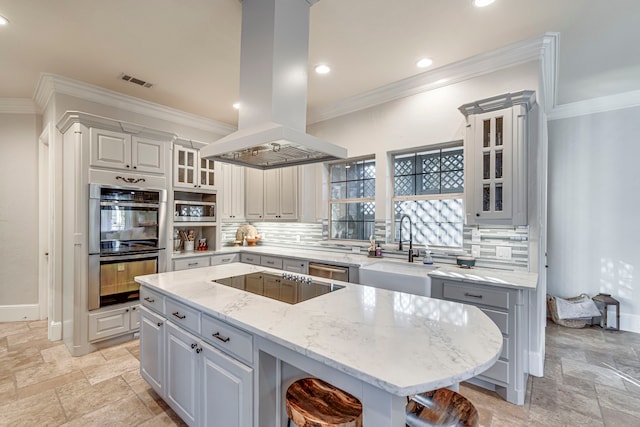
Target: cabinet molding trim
{"type": "Point", "coordinates": [527, 98]}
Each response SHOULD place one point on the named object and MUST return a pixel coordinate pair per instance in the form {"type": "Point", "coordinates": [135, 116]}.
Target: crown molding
{"type": "Point", "coordinates": [541, 48]}
{"type": "Point", "coordinates": [596, 105]}
{"type": "Point", "coordinates": [50, 84]}
{"type": "Point", "coordinates": [17, 106]}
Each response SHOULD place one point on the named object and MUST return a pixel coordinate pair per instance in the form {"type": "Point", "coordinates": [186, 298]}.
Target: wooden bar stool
{"type": "Point", "coordinates": [442, 407]}
{"type": "Point", "coordinates": [312, 402]}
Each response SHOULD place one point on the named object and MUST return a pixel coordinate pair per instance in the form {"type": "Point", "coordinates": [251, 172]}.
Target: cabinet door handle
{"type": "Point", "coordinates": [198, 350]}
{"type": "Point", "coordinates": [147, 299]}
{"type": "Point", "coordinates": [467, 294]}
{"type": "Point", "coordinates": [159, 324]}
{"type": "Point", "coordinates": [177, 314]}
{"type": "Point", "coordinates": [221, 337]}
{"type": "Point", "coordinates": [194, 345]}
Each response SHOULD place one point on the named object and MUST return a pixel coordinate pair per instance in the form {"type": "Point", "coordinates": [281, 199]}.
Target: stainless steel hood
{"type": "Point", "coordinates": [273, 91]}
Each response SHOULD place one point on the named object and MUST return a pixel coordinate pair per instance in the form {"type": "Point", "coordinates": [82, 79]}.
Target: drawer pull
{"type": "Point", "coordinates": [177, 314]}
{"type": "Point", "coordinates": [194, 345]}
{"type": "Point", "coordinates": [159, 324]}
{"type": "Point", "coordinates": [221, 337]}
{"type": "Point", "coordinates": [147, 299]}
{"type": "Point", "coordinates": [191, 264]}
{"type": "Point", "coordinates": [226, 259]}
{"type": "Point", "coordinates": [467, 294]}
{"type": "Point", "coordinates": [270, 262]}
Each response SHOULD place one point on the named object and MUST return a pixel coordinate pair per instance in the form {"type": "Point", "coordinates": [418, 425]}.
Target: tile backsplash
{"type": "Point", "coordinates": [487, 241]}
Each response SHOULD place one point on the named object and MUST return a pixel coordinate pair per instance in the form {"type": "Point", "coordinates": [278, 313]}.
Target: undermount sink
{"type": "Point", "coordinates": [412, 278]}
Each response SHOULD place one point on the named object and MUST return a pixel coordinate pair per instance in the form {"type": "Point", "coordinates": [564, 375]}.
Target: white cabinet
{"type": "Point", "coordinates": [192, 171]}
{"type": "Point", "coordinates": [226, 392]}
{"type": "Point", "coordinates": [232, 200]}
{"type": "Point", "coordinates": [495, 159]}
{"type": "Point", "coordinates": [507, 307]}
{"type": "Point", "coordinates": [182, 379]}
{"type": "Point", "coordinates": [276, 198]}
{"type": "Point", "coordinates": [189, 263]}
{"type": "Point", "coordinates": [152, 352]}
{"type": "Point", "coordinates": [254, 194]}
{"type": "Point", "coordinates": [119, 150]}
{"type": "Point", "coordinates": [107, 323]}
{"type": "Point", "coordinates": [205, 383]}
{"type": "Point", "coordinates": [225, 259]}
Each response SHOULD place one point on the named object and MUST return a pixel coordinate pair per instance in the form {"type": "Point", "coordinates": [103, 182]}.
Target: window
{"type": "Point", "coordinates": [428, 187]}
{"type": "Point", "coordinates": [352, 199]}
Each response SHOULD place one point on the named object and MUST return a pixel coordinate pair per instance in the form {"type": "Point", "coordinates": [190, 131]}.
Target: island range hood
{"type": "Point", "coordinates": [273, 91]}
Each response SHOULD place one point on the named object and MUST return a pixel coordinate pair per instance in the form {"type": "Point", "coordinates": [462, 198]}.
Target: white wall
{"type": "Point", "coordinates": [594, 199]}
{"type": "Point", "coordinates": [19, 216]}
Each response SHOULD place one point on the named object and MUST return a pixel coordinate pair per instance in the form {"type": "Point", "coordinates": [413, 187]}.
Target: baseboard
{"type": "Point", "coordinates": [16, 313]}
{"type": "Point", "coordinates": [536, 364]}
{"type": "Point", "coordinates": [629, 322]}
{"type": "Point", "coordinates": [55, 331]}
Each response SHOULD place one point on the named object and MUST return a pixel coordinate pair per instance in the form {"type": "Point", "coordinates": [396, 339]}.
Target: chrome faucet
{"type": "Point", "coordinates": [411, 255]}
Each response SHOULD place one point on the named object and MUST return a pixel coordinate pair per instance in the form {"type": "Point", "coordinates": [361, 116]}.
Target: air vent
{"type": "Point", "coordinates": [134, 80]}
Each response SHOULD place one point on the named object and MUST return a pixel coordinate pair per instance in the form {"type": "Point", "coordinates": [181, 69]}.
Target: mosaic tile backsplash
{"type": "Point", "coordinates": [484, 240]}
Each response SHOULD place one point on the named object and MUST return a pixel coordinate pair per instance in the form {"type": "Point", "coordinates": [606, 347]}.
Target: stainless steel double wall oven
{"type": "Point", "coordinates": [126, 239]}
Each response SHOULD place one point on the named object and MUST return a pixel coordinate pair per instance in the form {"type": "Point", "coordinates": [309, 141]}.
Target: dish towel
{"type": "Point", "coordinates": [583, 308]}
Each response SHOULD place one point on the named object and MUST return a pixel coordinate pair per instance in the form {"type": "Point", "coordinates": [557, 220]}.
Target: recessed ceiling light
{"type": "Point", "coordinates": [424, 63]}
{"type": "Point", "coordinates": [3, 20]}
{"type": "Point", "coordinates": [236, 105]}
{"type": "Point", "coordinates": [482, 3]}
{"type": "Point", "coordinates": [322, 69]}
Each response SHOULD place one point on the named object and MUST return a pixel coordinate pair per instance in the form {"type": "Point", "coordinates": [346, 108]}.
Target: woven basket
{"type": "Point", "coordinates": [569, 323]}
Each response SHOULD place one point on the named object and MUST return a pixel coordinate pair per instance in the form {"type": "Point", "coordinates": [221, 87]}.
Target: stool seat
{"type": "Point", "coordinates": [442, 407]}
{"type": "Point", "coordinates": [312, 402]}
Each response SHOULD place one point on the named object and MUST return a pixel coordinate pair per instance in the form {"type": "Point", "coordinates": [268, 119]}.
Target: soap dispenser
{"type": "Point", "coordinates": [427, 258]}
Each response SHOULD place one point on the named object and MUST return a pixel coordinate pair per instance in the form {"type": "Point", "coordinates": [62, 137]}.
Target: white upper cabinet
{"type": "Point", "coordinates": [192, 171]}
{"type": "Point", "coordinates": [495, 159]}
{"type": "Point", "coordinates": [232, 197]}
{"type": "Point", "coordinates": [272, 194]}
{"type": "Point", "coordinates": [119, 150]}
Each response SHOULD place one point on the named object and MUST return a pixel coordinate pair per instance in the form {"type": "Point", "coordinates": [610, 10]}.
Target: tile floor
{"type": "Point", "coordinates": [42, 385]}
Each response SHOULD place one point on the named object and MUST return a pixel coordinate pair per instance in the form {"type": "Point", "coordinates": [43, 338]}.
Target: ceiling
{"type": "Point", "coordinates": [190, 50]}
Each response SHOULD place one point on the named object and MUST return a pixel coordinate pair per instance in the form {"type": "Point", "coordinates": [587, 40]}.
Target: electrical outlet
{"type": "Point", "coordinates": [475, 251]}
{"type": "Point", "coordinates": [475, 235]}
{"type": "Point", "coordinates": [503, 252]}
{"type": "Point", "coordinates": [355, 249]}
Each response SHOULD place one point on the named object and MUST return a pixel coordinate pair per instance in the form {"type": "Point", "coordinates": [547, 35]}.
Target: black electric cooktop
{"type": "Point", "coordinates": [289, 288]}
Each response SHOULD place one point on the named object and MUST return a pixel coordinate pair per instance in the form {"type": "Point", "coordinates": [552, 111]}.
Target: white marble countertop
{"type": "Point", "coordinates": [401, 343]}
{"type": "Point", "coordinates": [504, 278]}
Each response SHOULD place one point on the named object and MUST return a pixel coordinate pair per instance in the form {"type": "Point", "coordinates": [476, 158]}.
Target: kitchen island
{"type": "Point", "coordinates": [376, 344]}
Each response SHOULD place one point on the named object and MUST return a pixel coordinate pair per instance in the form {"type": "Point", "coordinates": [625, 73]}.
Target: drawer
{"type": "Point", "coordinates": [270, 261]}
{"type": "Point", "coordinates": [183, 315]}
{"type": "Point", "coordinates": [224, 259]}
{"type": "Point", "coordinates": [250, 259]}
{"type": "Point", "coordinates": [228, 338]}
{"type": "Point", "coordinates": [498, 372]}
{"type": "Point", "coordinates": [187, 263]}
{"type": "Point", "coordinates": [152, 299]}
{"type": "Point", "coordinates": [500, 318]}
{"type": "Point", "coordinates": [476, 295]}
{"type": "Point", "coordinates": [295, 266]}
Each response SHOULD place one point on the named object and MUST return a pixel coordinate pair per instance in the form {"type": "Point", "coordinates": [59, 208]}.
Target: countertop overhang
{"type": "Point", "coordinates": [401, 343]}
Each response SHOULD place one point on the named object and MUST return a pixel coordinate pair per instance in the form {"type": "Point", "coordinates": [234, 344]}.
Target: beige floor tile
{"type": "Point", "coordinates": [593, 373]}
{"type": "Point", "coordinates": [618, 400]}
{"type": "Point", "coordinates": [13, 328]}
{"type": "Point", "coordinates": [163, 420]}
{"type": "Point", "coordinates": [38, 324]}
{"type": "Point", "coordinates": [14, 361]}
{"type": "Point", "coordinates": [113, 368]}
{"type": "Point", "coordinates": [79, 397]}
{"type": "Point", "coordinates": [124, 412]}
{"type": "Point", "coordinates": [60, 356]}
{"type": "Point", "coordinates": [39, 373]}
{"type": "Point", "coordinates": [43, 409]}
{"type": "Point", "coordinates": [613, 418]}
{"type": "Point", "coordinates": [49, 384]}
{"type": "Point", "coordinates": [8, 391]}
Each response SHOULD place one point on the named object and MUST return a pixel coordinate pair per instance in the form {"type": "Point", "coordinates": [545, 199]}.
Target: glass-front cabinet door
{"type": "Point", "coordinates": [185, 167]}
{"type": "Point", "coordinates": [493, 165]}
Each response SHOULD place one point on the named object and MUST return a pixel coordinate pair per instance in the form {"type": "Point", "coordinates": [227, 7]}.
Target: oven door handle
{"type": "Point", "coordinates": [126, 257]}
{"type": "Point", "coordinates": [130, 204]}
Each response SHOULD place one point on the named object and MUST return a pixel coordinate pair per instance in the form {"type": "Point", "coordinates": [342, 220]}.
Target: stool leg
{"type": "Point", "coordinates": [288, 422]}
